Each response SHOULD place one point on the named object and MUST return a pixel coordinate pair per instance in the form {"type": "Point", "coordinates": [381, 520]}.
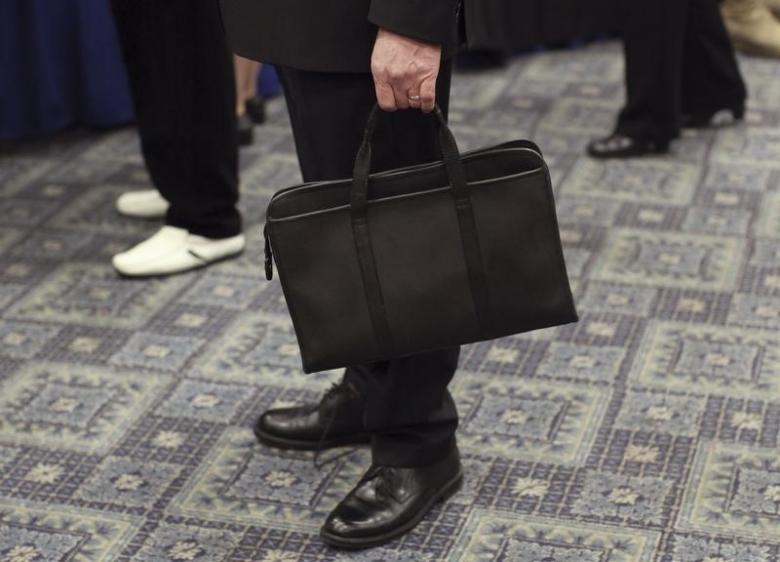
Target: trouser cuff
{"type": "Point", "coordinates": [405, 451]}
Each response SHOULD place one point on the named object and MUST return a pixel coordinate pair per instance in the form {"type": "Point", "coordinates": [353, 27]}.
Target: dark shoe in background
{"type": "Point", "coordinates": [389, 502]}
{"type": "Point", "coordinates": [255, 108]}
{"type": "Point", "coordinates": [336, 421]}
{"type": "Point", "coordinates": [246, 131]}
{"type": "Point", "coordinates": [622, 146]}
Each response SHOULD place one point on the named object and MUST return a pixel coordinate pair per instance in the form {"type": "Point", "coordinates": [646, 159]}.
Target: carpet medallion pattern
{"type": "Point", "coordinates": [647, 432]}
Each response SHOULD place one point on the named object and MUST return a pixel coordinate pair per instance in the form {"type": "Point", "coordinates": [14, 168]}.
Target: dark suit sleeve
{"type": "Point", "coordinates": [428, 20]}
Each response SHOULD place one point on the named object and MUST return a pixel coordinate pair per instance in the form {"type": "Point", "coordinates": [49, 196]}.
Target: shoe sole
{"type": "Point", "coordinates": [149, 217]}
{"type": "Point", "coordinates": [294, 445]}
{"type": "Point", "coordinates": [655, 151]}
{"type": "Point", "coordinates": [172, 273]}
{"type": "Point", "coordinates": [450, 489]}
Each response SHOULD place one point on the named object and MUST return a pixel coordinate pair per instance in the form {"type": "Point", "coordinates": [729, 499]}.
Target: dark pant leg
{"type": "Point", "coordinates": [181, 77]}
{"type": "Point", "coordinates": [408, 407]}
{"type": "Point", "coordinates": [653, 39]}
{"type": "Point", "coordinates": [711, 75]}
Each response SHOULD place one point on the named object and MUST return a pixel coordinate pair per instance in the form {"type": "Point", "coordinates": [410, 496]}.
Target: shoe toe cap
{"type": "Point", "coordinates": [336, 526]}
{"type": "Point", "coordinates": [124, 263]}
{"type": "Point", "coordinates": [343, 526]}
{"type": "Point", "coordinates": [277, 422]}
{"type": "Point", "coordinates": [358, 523]}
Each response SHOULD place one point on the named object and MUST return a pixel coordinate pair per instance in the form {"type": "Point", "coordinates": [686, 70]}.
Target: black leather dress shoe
{"type": "Point", "coordinates": [336, 421]}
{"type": "Point", "coordinates": [389, 502]}
{"type": "Point", "coordinates": [622, 146]}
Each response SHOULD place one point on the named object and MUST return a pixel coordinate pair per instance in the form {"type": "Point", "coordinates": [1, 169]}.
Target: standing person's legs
{"type": "Point", "coordinates": [181, 76]}
{"type": "Point", "coordinates": [409, 410]}
{"type": "Point", "coordinates": [403, 403]}
{"type": "Point", "coordinates": [250, 108]}
{"type": "Point", "coordinates": [712, 80]}
{"type": "Point", "coordinates": [247, 72]}
{"type": "Point", "coordinates": [653, 39]}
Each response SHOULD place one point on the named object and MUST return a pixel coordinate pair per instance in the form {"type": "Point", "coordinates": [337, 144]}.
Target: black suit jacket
{"type": "Point", "coordinates": [331, 35]}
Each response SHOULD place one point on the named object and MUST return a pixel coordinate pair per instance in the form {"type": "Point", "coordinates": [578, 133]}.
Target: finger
{"type": "Point", "coordinates": [385, 96]}
{"type": "Point", "coordinates": [414, 99]}
{"type": "Point", "coordinates": [428, 94]}
{"type": "Point", "coordinates": [400, 92]}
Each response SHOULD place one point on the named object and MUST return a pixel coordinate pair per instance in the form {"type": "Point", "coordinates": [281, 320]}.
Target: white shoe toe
{"type": "Point", "coordinates": [147, 204]}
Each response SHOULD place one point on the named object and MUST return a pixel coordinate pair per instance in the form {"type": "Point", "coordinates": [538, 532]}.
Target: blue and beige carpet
{"type": "Point", "coordinates": [646, 433]}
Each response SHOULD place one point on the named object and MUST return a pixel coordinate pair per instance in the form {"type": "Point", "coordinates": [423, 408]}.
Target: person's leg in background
{"type": "Point", "coordinates": [250, 107]}
{"type": "Point", "coordinates": [404, 403]}
{"type": "Point", "coordinates": [712, 81]}
{"type": "Point", "coordinates": [653, 39]}
{"type": "Point", "coordinates": [181, 77]}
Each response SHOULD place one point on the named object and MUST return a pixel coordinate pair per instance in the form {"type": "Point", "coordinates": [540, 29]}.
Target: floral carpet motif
{"type": "Point", "coordinates": [648, 432]}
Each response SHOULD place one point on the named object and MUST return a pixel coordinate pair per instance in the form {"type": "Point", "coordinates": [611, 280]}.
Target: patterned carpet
{"type": "Point", "coordinates": [647, 432]}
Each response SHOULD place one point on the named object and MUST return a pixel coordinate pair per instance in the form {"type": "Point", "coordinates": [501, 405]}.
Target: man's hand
{"type": "Point", "coordinates": [405, 72]}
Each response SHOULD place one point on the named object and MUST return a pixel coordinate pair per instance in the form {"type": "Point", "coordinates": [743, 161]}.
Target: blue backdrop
{"type": "Point", "coordinates": [60, 66]}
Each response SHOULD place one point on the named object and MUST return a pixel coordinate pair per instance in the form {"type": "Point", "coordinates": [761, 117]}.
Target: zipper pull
{"type": "Point", "coordinates": [269, 256]}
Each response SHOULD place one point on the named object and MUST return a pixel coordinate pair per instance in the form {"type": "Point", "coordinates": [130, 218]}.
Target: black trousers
{"type": "Point", "coordinates": [679, 60]}
{"type": "Point", "coordinates": [408, 408]}
{"type": "Point", "coordinates": [181, 77]}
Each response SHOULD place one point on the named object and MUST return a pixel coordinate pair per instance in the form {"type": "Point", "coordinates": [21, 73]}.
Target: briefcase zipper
{"type": "Point", "coordinates": [290, 190]}
{"type": "Point", "coordinates": [269, 255]}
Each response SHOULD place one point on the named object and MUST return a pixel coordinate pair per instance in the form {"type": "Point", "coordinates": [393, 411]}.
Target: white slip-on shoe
{"type": "Point", "coordinates": [174, 250]}
{"type": "Point", "coordinates": [146, 204]}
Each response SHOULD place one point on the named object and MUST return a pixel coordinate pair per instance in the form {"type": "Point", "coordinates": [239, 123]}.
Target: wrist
{"type": "Point", "coordinates": [384, 34]}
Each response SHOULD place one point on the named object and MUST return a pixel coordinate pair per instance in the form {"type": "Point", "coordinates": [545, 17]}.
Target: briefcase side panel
{"type": "Point", "coordinates": [318, 268]}
{"type": "Point", "coordinates": [422, 271]}
{"type": "Point", "coordinates": [521, 251]}
{"type": "Point", "coordinates": [426, 289]}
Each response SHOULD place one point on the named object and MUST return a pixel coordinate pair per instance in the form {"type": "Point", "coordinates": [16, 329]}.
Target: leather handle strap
{"type": "Point", "coordinates": [362, 169]}
{"type": "Point", "coordinates": [466, 221]}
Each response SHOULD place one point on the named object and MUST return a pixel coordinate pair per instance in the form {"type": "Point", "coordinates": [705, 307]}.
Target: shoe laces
{"type": "Point", "coordinates": [340, 388]}
{"type": "Point", "coordinates": [334, 390]}
{"type": "Point", "coordinates": [384, 476]}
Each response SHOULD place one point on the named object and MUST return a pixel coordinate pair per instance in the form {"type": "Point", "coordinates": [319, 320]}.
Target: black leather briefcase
{"type": "Point", "coordinates": [411, 260]}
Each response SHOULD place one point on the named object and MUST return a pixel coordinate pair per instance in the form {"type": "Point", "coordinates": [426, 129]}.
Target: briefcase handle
{"type": "Point", "coordinates": [466, 221]}
{"type": "Point", "coordinates": [362, 169]}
